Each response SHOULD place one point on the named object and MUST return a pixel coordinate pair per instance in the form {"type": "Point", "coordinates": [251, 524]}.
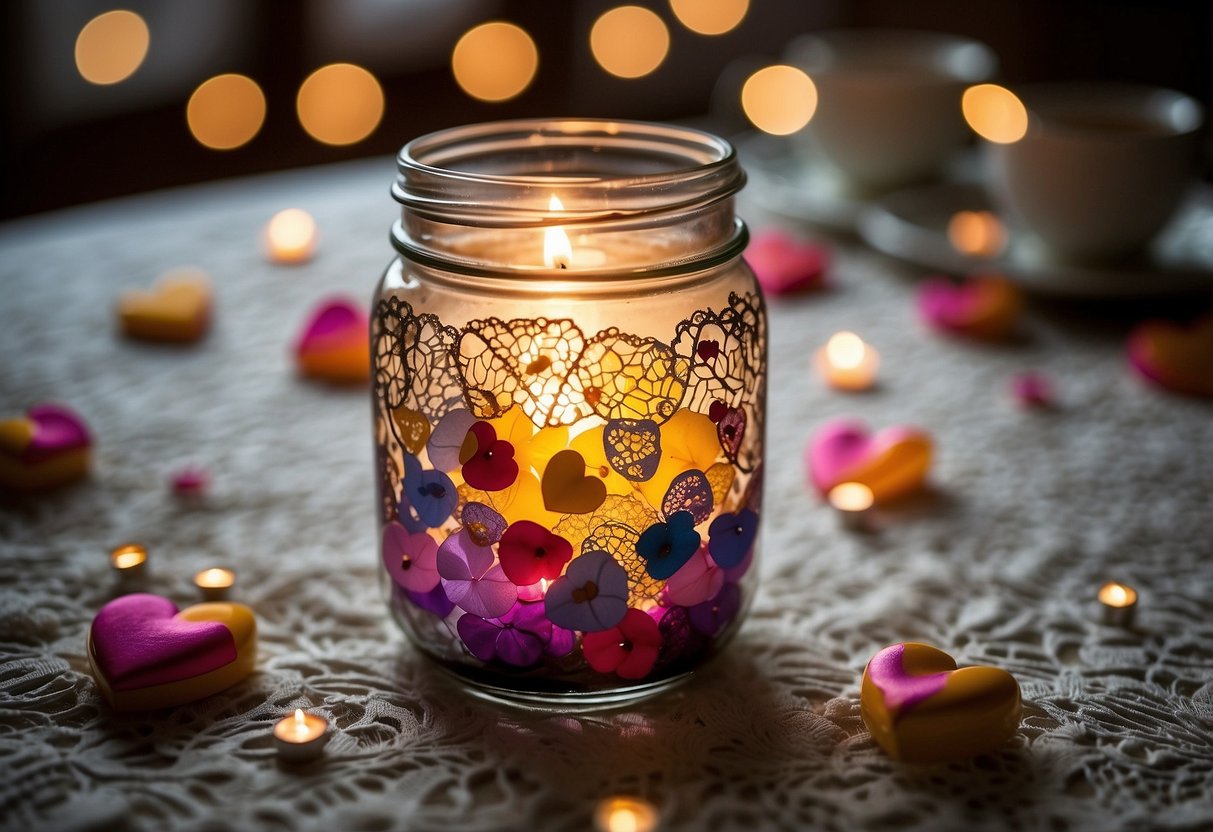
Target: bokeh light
{"type": "Point", "coordinates": [976, 233]}
{"type": "Point", "coordinates": [111, 47]}
{"type": "Point", "coordinates": [995, 113]}
{"type": "Point", "coordinates": [779, 99]}
{"type": "Point", "coordinates": [495, 61]}
{"type": "Point", "coordinates": [290, 236]}
{"type": "Point", "coordinates": [340, 104]}
{"type": "Point", "coordinates": [710, 17]}
{"type": "Point", "coordinates": [226, 111]}
{"type": "Point", "coordinates": [629, 41]}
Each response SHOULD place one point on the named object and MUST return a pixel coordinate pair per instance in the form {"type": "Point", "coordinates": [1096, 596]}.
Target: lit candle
{"type": "Point", "coordinates": [290, 236]}
{"type": "Point", "coordinates": [853, 502]}
{"type": "Point", "coordinates": [625, 814]}
{"type": "Point", "coordinates": [301, 737]}
{"type": "Point", "coordinates": [1119, 602]}
{"type": "Point", "coordinates": [847, 363]}
{"type": "Point", "coordinates": [129, 562]}
{"type": "Point", "coordinates": [215, 583]}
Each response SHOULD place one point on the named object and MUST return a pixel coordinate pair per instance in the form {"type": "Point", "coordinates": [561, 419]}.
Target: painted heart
{"type": "Point", "coordinates": [145, 654]}
{"type": "Point", "coordinates": [892, 463]}
{"type": "Point", "coordinates": [984, 307]}
{"type": "Point", "coordinates": [566, 488]}
{"type": "Point", "coordinates": [177, 309]}
{"type": "Point", "coordinates": [632, 448]}
{"type": "Point", "coordinates": [334, 345]}
{"type": "Point", "coordinates": [50, 446]}
{"type": "Point", "coordinates": [921, 709]}
{"type": "Point", "coordinates": [1176, 357]}
{"type": "Point", "coordinates": [784, 265]}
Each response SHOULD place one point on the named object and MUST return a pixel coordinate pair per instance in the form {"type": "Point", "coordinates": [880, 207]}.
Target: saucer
{"type": "Point", "coordinates": [912, 225]}
{"type": "Point", "coordinates": [788, 179]}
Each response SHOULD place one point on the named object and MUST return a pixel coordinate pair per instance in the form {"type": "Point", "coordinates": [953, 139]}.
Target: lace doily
{"type": "Point", "coordinates": [1029, 513]}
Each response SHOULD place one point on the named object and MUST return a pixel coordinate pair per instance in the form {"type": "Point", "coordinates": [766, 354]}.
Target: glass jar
{"type": "Point", "coordinates": [569, 388]}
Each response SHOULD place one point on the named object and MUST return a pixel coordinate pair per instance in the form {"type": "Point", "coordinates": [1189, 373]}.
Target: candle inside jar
{"type": "Point", "coordinates": [129, 560]}
{"type": "Point", "coordinates": [625, 814]}
{"type": "Point", "coordinates": [215, 583]}
{"type": "Point", "coordinates": [847, 363]}
{"type": "Point", "coordinates": [853, 501]}
{"type": "Point", "coordinates": [301, 737]}
{"type": "Point", "coordinates": [290, 236]}
{"type": "Point", "coordinates": [1119, 602]}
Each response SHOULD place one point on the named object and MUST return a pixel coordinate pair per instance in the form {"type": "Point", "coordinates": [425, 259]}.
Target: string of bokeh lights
{"type": "Point", "coordinates": [342, 103]}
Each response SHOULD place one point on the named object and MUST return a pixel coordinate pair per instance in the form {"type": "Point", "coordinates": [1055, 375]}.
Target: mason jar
{"type": "Point", "coordinates": [569, 385]}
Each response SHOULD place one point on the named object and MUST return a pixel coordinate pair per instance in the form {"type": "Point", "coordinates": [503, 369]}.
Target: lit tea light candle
{"type": "Point", "coordinates": [625, 814]}
{"type": "Point", "coordinates": [1119, 603]}
{"type": "Point", "coordinates": [215, 583]}
{"type": "Point", "coordinates": [290, 236]}
{"type": "Point", "coordinates": [301, 737]}
{"type": "Point", "coordinates": [847, 363]}
{"type": "Point", "coordinates": [853, 502]}
{"type": "Point", "coordinates": [129, 561]}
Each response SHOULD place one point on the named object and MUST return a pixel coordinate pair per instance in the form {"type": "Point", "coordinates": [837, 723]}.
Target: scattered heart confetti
{"type": "Point", "coordinates": [1176, 357]}
{"type": "Point", "coordinates": [50, 446]}
{"type": "Point", "coordinates": [984, 306]}
{"type": "Point", "coordinates": [785, 265]}
{"type": "Point", "coordinates": [334, 345]}
{"type": "Point", "coordinates": [177, 309]}
{"type": "Point", "coordinates": [892, 463]}
{"type": "Point", "coordinates": [145, 654]}
{"type": "Point", "coordinates": [921, 709]}
{"type": "Point", "coordinates": [1032, 390]}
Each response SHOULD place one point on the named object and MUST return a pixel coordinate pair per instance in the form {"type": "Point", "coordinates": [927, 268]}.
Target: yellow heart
{"type": "Point", "coordinates": [15, 435]}
{"type": "Point", "coordinates": [921, 709]}
{"type": "Point", "coordinates": [177, 309]}
{"type": "Point", "coordinates": [413, 427]}
{"type": "Point", "coordinates": [566, 488]}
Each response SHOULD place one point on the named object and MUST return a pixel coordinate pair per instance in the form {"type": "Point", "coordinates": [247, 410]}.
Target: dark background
{"type": "Point", "coordinates": [65, 141]}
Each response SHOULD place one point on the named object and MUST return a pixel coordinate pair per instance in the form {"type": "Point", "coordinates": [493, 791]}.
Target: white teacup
{"type": "Point", "coordinates": [1101, 169]}
{"type": "Point", "coordinates": [888, 101]}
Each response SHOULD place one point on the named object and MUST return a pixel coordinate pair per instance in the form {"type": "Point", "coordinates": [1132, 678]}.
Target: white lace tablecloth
{"type": "Point", "coordinates": [1028, 514]}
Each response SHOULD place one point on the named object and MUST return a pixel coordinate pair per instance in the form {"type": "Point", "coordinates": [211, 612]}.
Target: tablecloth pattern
{"type": "Point", "coordinates": [1027, 514]}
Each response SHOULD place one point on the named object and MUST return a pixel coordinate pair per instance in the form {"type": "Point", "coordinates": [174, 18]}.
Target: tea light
{"type": "Point", "coordinates": [1119, 603]}
{"type": "Point", "coordinates": [290, 236]}
{"type": "Point", "coordinates": [847, 363]}
{"type": "Point", "coordinates": [301, 737]}
{"type": "Point", "coordinates": [853, 502]}
{"type": "Point", "coordinates": [625, 814]}
{"type": "Point", "coordinates": [215, 583]}
{"type": "Point", "coordinates": [129, 561]}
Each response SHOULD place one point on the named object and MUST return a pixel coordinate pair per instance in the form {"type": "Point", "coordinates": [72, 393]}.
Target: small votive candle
{"type": "Point", "coordinates": [625, 814]}
{"type": "Point", "coordinates": [290, 236]}
{"type": "Point", "coordinates": [129, 561]}
{"type": "Point", "coordinates": [1119, 603]}
{"type": "Point", "coordinates": [301, 737]}
{"type": "Point", "coordinates": [853, 503]}
{"type": "Point", "coordinates": [215, 583]}
{"type": "Point", "coordinates": [847, 363]}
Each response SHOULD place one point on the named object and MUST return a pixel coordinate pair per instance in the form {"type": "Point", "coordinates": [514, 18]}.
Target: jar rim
{"type": "Point", "coordinates": [702, 169]}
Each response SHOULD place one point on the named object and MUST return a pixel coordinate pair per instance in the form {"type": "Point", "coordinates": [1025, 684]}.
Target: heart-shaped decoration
{"type": "Point", "coordinates": [334, 346]}
{"type": "Point", "coordinates": [1176, 357]}
{"type": "Point", "coordinates": [784, 265]}
{"type": "Point", "coordinates": [892, 463]}
{"type": "Point", "coordinates": [921, 709]}
{"type": "Point", "coordinates": [145, 654]}
{"type": "Point", "coordinates": [414, 428]}
{"type": "Point", "coordinates": [632, 447]}
{"type": "Point", "coordinates": [51, 446]}
{"type": "Point", "coordinates": [177, 309]}
{"type": "Point", "coordinates": [566, 488]}
{"type": "Point", "coordinates": [984, 307]}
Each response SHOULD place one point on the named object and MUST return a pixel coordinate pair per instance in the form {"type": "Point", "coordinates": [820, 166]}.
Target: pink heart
{"type": "Point", "coordinates": [891, 462]}
{"type": "Point", "coordinates": [1174, 356]}
{"type": "Point", "coordinates": [983, 306]}
{"type": "Point", "coordinates": [784, 265]}
{"type": "Point", "coordinates": [56, 429]}
{"type": "Point", "coordinates": [138, 643]}
{"type": "Point", "coordinates": [335, 343]}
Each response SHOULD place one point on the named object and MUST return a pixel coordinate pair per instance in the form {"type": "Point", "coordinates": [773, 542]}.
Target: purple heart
{"type": "Point", "coordinates": [471, 579]}
{"type": "Point", "coordinates": [138, 643]}
{"type": "Point", "coordinates": [591, 596]}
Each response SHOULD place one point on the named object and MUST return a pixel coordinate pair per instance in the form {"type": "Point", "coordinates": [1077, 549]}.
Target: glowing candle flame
{"type": "Point", "coordinates": [1117, 595]}
{"type": "Point", "coordinates": [845, 350]}
{"type": "Point", "coordinates": [557, 250]}
{"type": "Point", "coordinates": [301, 730]}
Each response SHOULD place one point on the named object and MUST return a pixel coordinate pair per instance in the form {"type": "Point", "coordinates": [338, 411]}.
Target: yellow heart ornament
{"type": "Point", "coordinates": [566, 487]}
